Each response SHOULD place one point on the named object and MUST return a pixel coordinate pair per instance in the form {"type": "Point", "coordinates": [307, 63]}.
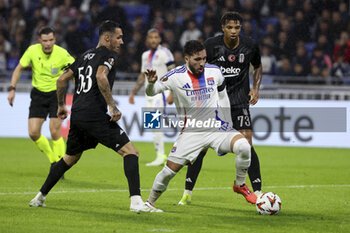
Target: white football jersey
{"type": "Point", "coordinates": [194, 97]}
{"type": "Point", "coordinates": [158, 60]}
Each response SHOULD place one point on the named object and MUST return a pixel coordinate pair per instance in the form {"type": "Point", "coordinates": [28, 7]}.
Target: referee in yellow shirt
{"type": "Point", "coordinates": [48, 63]}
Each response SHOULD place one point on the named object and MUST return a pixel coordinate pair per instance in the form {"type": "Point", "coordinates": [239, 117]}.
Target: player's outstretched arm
{"type": "Point", "coordinates": [139, 83]}
{"type": "Point", "coordinates": [16, 75]}
{"type": "Point", "coordinates": [61, 93]}
{"type": "Point", "coordinates": [151, 88]}
{"type": "Point", "coordinates": [105, 89]}
{"type": "Point", "coordinates": [254, 93]}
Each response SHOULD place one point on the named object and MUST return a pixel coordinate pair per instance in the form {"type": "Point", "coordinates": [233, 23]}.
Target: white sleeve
{"type": "Point", "coordinates": [158, 87]}
{"type": "Point", "coordinates": [143, 62]}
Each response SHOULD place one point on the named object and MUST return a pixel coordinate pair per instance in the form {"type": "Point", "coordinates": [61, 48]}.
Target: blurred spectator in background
{"type": "Point", "coordinates": [12, 60]}
{"type": "Point", "coordinates": [19, 44]}
{"type": "Point", "coordinates": [116, 13]}
{"type": "Point", "coordinates": [16, 23]}
{"type": "Point", "coordinates": [337, 24]}
{"type": "Point", "coordinates": [170, 23]}
{"type": "Point", "coordinates": [325, 45]}
{"type": "Point", "coordinates": [285, 47]}
{"type": "Point", "coordinates": [310, 14]}
{"type": "Point", "coordinates": [342, 46]}
{"type": "Point", "coordinates": [210, 18]}
{"type": "Point", "coordinates": [278, 24]}
{"type": "Point", "coordinates": [74, 39]}
{"type": "Point", "coordinates": [3, 61]}
{"type": "Point", "coordinates": [191, 33]}
{"type": "Point", "coordinates": [268, 60]}
{"type": "Point", "coordinates": [208, 31]}
{"type": "Point", "coordinates": [321, 59]}
{"type": "Point", "coordinates": [171, 41]}
{"type": "Point", "coordinates": [187, 16]}
{"type": "Point", "coordinates": [50, 11]}
{"type": "Point", "coordinates": [323, 28]}
{"type": "Point", "coordinates": [299, 73]}
{"type": "Point", "coordinates": [3, 9]}
{"type": "Point", "coordinates": [93, 13]}
{"type": "Point", "coordinates": [301, 29]}
{"type": "Point", "coordinates": [284, 68]}
{"type": "Point", "coordinates": [248, 30]}
{"type": "Point", "coordinates": [157, 20]}
{"type": "Point", "coordinates": [5, 43]}
{"type": "Point", "coordinates": [178, 58]}
{"type": "Point", "coordinates": [138, 24]}
{"type": "Point", "coordinates": [40, 24]}
{"type": "Point", "coordinates": [303, 60]}
{"type": "Point", "coordinates": [340, 69]}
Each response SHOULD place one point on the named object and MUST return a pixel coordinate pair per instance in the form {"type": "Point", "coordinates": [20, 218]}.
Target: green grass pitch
{"type": "Point", "coordinates": [313, 183]}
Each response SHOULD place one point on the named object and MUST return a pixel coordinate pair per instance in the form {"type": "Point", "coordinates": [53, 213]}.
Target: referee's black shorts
{"type": "Point", "coordinates": [84, 135]}
{"type": "Point", "coordinates": [43, 104]}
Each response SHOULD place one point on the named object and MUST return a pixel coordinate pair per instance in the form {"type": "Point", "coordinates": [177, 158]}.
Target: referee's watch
{"type": "Point", "coordinates": [10, 88]}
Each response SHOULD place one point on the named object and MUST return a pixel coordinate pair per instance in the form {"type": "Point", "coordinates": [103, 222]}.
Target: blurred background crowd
{"type": "Point", "coordinates": [306, 40]}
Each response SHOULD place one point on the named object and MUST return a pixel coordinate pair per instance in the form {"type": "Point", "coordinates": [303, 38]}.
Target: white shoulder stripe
{"type": "Point", "coordinates": [108, 65]}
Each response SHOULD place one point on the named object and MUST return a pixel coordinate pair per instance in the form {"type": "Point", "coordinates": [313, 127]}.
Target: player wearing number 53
{"type": "Point", "coordinates": [48, 61]}
{"type": "Point", "coordinates": [94, 74]}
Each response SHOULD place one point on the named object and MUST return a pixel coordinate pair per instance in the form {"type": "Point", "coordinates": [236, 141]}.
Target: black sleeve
{"type": "Point", "coordinates": [256, 59]}
{"type": "Point", "coordinates": [222, 86]}
{"type": "Point", "coordinates": [107, 59]}
{"type": "Point", "coordinates": [74, 66]}
{"type": "Point", "coordinates": [209, 49]}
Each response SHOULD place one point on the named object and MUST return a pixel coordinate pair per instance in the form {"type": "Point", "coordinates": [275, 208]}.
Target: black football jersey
{"type": "Point", "coordinates": [88, 102]}
{"type": "Point", "coordinates": [234, 65]}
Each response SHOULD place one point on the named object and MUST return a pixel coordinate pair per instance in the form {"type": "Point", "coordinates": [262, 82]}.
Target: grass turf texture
{"type": "Point", "coordinates": [94, 196]}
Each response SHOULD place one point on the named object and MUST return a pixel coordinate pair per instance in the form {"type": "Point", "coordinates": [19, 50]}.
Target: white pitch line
{"type": "Point", "coordinates": [207, 188]}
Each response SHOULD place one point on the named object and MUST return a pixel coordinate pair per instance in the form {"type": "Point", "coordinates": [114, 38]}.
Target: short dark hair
{"type": "Point", "coordinates": [108, 26]}
{"type": "Point", "coordinates": [46, 30]}
{"type": "Point", "coordinates": [231, 15]}
{"type": "Point", "coordinates": [193, 46]}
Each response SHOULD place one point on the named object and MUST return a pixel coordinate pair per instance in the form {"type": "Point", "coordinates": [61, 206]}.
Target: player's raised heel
{"type": "Point", "coordinates": [185, 200]}
{"type": "Point", "coordinates": [159, 161]}
{"type": "Point", "coordinates": [244, 190]}
{"type": "Point", "coordinates": [38, 201]}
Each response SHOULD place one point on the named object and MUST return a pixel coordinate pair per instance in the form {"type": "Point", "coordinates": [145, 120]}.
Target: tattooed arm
{"type": "Point", "coordinates": [61, 93]}
{"type": "Point", "coordinates": [139, 83]}
{"type": "Point", "coordinates": [105, 89]}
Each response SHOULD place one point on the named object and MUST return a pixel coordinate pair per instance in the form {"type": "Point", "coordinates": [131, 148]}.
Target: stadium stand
{"type": "Point", "coordinates": [273, 23]}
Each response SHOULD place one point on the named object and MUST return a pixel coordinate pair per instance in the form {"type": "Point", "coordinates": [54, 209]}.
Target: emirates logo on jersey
{"type": "Point", "coordinates": [231, 57]}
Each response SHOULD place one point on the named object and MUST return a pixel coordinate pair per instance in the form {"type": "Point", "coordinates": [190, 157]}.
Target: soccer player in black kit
{"type": "Point", "coordinates": [234, 53]}
{"type": "Point", "coordinates": [94, 74]}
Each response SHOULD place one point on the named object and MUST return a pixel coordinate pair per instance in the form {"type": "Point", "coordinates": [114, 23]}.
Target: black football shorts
{"type": "Point", "coordinates": [84, 135]}
{"type": "Point", "coordinates": [43, 104]}
{"type": "Point", "coordinates": [241, 118]}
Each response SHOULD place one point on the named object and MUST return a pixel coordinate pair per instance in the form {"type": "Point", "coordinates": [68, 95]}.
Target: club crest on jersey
{"type": "Point", "coordinates": [173, 149]}
{"type": "Point", "coordinates": [241, 58]}
{"type": "Point", "coordinates": [231, 57]}
{"type": "Point", "coordinates": [164, 79]}
{"type": "Point", "coordinates": [210, 81]}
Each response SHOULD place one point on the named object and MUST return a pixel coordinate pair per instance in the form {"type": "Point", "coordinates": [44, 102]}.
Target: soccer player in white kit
{"type": "Point", "coordinates": [197, 87]}
{"type": "Point", "coordinates": [162, 60]}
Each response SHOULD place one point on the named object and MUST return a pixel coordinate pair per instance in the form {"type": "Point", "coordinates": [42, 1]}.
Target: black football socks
{"type": "Point", "coordinates": [131, 170]}
{"type": "Point", "coordinates": [56, 172]}
{"type": "Point", "coordinates": [193, 171]}
{"type": "Point", "coordinates": [254, 171]}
